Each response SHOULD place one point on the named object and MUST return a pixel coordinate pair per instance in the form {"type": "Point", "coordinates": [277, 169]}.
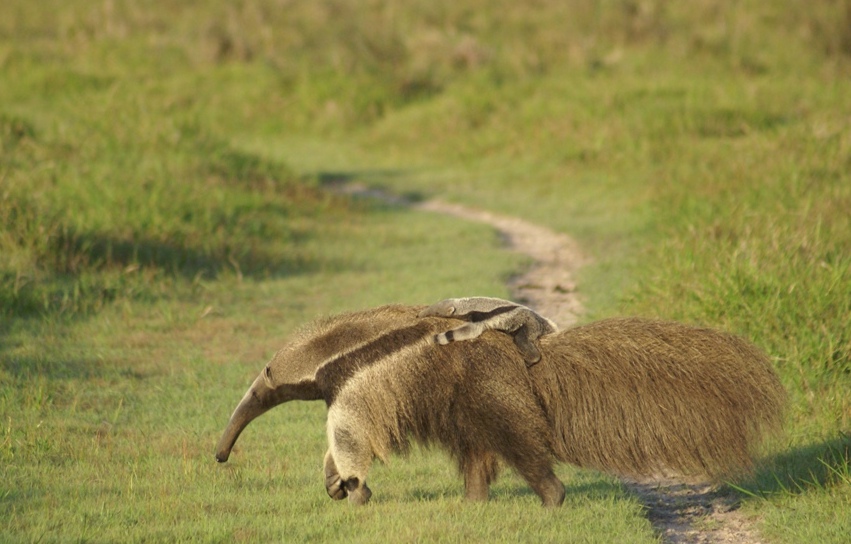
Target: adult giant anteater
{"type": "Point", "coordinates": [632, 397]}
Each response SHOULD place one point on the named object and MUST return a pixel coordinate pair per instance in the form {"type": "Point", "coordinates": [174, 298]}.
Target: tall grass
{"type": "Point", "coordinates": [111, 194]}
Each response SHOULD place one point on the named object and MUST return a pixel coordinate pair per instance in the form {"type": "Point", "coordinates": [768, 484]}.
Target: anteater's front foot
{"type": "Point", "coordinates": [334, 485]}
{"type": "Point", "coordinates": [338, 489]}
{"type": "Point", "coordinates": [357, 492]}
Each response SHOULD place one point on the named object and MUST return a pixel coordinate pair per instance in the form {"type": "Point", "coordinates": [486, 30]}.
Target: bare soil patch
{"type": "Point", "coordinates": [693, 513]}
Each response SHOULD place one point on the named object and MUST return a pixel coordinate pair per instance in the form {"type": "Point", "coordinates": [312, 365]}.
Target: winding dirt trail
{"type": "Point", "coordinates": [680, 513]}
{"type": "Point", "coordinates": [548, 286]}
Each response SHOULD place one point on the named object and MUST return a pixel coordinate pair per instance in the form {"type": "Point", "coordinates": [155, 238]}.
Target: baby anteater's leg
{"type": "Point", "coordinates": [526, 345]}
{"type": "Point", "coordinates": [464, 332]}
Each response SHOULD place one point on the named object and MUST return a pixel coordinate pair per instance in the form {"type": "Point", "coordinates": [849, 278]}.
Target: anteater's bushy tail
{"type": "Point", "coordinates": [643, 398]}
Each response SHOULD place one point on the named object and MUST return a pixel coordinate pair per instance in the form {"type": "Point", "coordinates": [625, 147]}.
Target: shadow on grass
{"type": "Point", "coordinates": [75, 252]}
{"type": "Point", "coordinates": [25, 367]}
{"type": "Point", "coordinates": [574, 493]}
{"type": "Point", "coordinates": [84, 271]}
{"type": "Point", "coordinates": [370, 184]}
{"type": "Point", "coordinates": [815, 466]}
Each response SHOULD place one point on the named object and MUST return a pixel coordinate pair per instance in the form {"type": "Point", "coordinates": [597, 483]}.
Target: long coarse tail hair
{"type": "Point", "coordinates": [646, 399]}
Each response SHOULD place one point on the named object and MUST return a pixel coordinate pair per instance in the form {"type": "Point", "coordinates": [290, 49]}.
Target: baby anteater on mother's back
{"type": "Point", "coordinates": [487, 313]}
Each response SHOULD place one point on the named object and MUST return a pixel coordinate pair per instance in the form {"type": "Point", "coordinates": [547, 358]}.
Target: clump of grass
{"type": "Point", "coordinates": [348, 64]}
{"type": "Point", "coordinates": [82, 224]}
{"type": "Point", "coordinates": [802, 492]}
{"type": "Point", "coordinates": [765, 252]}
{"type": "Point", "coordinates": [821, 466]}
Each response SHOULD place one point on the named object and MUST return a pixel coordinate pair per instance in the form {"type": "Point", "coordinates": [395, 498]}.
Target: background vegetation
{"type": "Point", "coordinates": [164, 223]}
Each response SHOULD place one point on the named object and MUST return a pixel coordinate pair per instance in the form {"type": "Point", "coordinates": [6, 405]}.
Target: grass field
{"type": "Point", "coordinates": [164, 225]}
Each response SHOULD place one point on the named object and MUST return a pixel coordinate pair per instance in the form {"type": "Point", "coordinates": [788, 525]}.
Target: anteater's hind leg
{"type": "Point", "coordinates": [545, 483]}
{"type": "Point", "coordinates": [526, 344]}
{"type": "Point", "coordinates": [479, 469]}
{"type": "Point", "coordinates": [519, 434]}
{"type": "Point", "coordinates": [538, 473]}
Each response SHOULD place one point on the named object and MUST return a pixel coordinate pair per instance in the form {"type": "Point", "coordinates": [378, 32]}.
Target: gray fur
{"type": "Point", "coordinates": [630, 397]}
{"type": "Point", "coordinates": [487, 313]}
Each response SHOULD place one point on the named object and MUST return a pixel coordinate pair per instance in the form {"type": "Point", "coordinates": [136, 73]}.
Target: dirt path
{"type": "Point", "coordinates": [680, 513]}
{"type": "Point", "coordinates": [693, 514]}
{"type": "Point", "coordinates": [548, 286]}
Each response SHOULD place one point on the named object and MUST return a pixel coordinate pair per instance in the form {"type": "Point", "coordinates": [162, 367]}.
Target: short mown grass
{"type": "Point", "coordinates": [165, 223]}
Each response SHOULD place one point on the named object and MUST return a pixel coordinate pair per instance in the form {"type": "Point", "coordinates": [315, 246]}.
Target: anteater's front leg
{"type": "Point", "coordinates": [333, 483]}
{"type": "Point", "coordinates": [348, 459]}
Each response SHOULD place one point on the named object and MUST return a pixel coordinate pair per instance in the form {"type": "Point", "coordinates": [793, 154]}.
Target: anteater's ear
{"type": "Point", "coordinates": [452, 310]}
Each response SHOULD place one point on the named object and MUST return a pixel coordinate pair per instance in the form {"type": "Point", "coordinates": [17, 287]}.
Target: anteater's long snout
{"type": "Point", "coordinates": [257, 401]}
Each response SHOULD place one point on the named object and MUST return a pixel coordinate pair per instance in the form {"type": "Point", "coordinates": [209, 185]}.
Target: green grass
{"type": "Point", "coordinates": [164, 225]}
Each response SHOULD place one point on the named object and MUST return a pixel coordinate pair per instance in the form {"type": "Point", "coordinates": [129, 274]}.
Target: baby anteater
{"type": "Point", "coordinates": [487, 313]}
